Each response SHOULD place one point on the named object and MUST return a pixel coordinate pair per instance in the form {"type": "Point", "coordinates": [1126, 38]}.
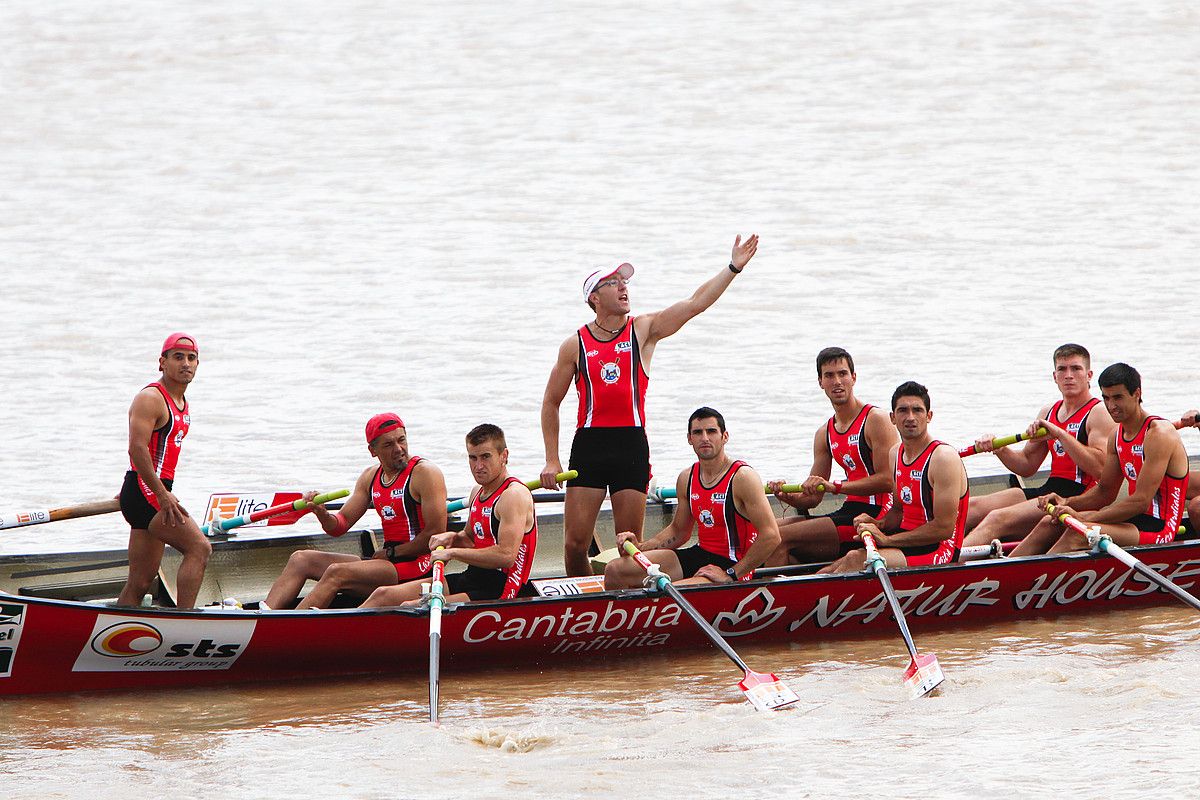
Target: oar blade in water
{"type": "Point", "coordinates": [924, 674]}
{"type": "Point", "coordinates": [766, 692]}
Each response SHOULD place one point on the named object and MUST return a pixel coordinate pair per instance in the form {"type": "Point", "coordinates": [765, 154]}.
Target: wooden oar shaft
{"type": "Point", "coordinates": [1106, 544]}
{"type": "Point", "coordinates": [40, 516]}
{"type": "Point", "coordinates": [1003, 441]}
{"type": "Point", "coordinates": [880, 567]}
{"type": "Point", "coordinates": [664, 583]}
{"type": "Point", "coordinates": [569, 475]}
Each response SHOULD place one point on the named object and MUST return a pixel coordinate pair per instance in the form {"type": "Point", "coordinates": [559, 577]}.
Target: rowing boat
{"type": "Point", "coordinates": [49, 645]}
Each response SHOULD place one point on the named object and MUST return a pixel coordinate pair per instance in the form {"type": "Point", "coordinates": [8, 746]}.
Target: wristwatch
{"type": "Point", "coordinates": [732, 573]}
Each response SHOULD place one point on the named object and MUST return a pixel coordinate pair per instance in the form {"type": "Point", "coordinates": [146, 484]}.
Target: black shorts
{"type": "Point", "coordinates": [482, 584]}
{"type": "Point", "coordinates": [611, 458]}
{"type": "Point", "coordinates": [136, 510]}
{"type": "Point", "coordinates": [1063, 487]}
{"type": "Point", "coordinates": [691, 559]}
{"type": "Point", "coordinates": [1147, 524]}
{"type": "Point", "coordinates": [843, 518]}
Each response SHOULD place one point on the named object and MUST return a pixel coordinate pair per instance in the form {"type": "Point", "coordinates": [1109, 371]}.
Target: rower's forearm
{"type": "Point", "coordinates": [711, 290]}
{"type": "Point", "coordinates": [484, 557]}
{"type": "Point", "coordinates": [758, 552]}
{"type": "Point", "coordinates": [879, 483]}
{"type": "Point", "coordinates": [930, 533]}
{"type": "Point", "coordinates": [550, 431]}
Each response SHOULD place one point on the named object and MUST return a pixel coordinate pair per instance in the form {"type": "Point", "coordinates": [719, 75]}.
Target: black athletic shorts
{"type": "Point", "coordinates": [482, 584]}
{"type": "Point", "coordinates": [611, 458]}
{"type": "Point", "coordinates": [691, 559]}
{"type": "Point", "coordinates": [843, 518]}
{"type": "Point", "coordinates": [1063, 487]}
{"type": "Point", "coordinates": [134, 507]}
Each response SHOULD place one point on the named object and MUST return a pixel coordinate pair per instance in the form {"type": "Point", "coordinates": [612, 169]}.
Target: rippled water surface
{"type": "Point", "coordinates": [365, 206]}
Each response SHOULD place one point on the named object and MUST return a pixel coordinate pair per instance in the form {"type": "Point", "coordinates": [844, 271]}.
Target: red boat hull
{"type": "Point", "coordinates": [61, 646]}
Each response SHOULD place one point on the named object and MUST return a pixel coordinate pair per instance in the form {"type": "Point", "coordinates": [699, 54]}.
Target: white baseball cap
{"type": "Point", "coordinates": [625, 271]}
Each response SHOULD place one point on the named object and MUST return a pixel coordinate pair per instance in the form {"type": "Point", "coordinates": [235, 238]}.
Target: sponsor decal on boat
{"type": "Point", "coordinates": [12, 620]}
{"type": "Point", "coordinates": [240, 504]}
{"type": "Point", "coordinates": [565, 587]}
{"type": "Point", "coordinates": [123, 644]}
{"type": "Point", "coordinates": [920, 601]}
{"type": "Point", "coordinates": [1092, 584]}
{"type": "Point", "coordinates": [615, 627]}
{"type": "Point", "coordinates": [755, 612]}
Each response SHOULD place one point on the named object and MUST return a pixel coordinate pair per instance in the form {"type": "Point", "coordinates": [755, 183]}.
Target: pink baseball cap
{"type": "Point", "coordinates": [624, 271]}
{"type": "Point", "coordinates": [381, 424]}
{"type": "Point", "coordinates": [180, 341]}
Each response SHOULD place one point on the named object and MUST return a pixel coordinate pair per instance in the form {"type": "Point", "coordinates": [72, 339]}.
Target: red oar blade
{"type": "Point", "coordinates": [766, 692]}
{"type": "Point", "coordinates": [923, 675]}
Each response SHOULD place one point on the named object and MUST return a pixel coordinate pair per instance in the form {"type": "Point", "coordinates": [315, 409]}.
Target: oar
{"type": "Point", "coordinates": [924, 674]}
{"type": "Point", "coordinates": [224, 525]}
{"type": "Point", "coordinates": [1104, 543]}
{"type": "Point", "coordinates": [39, 516]}
{"type": "Point", "coordinates": [461, 503]}
{"type": "Point", "coordinates": [669, 493]}
{"type": "Point", "coordinates": [1003, 441]}
{"type": "Point", "coordinates": [437, 599]}
{"type": "Point", "coordinates": [764, 690]}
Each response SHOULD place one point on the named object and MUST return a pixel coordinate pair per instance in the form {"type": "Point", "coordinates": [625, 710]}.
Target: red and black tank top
{"type": "Point", "coordinates": [1061, 464]}
{"type": "Point", "coordinates": [720, 528]}
{"type": "Point", "coordinates": [914, 493]}
{"type": "Point", "coordinates": [167, 441]}
{"type": "Point", "coordinates": [852, 452]}
{"type": "Point", "coordinates": [483, 526]}
{"type": "Point", "coordinates": [1167, 503]}
{"type": "Point", "coordinates": [396, 506]}
{"type": "Point", "coordinates": [611, 380]}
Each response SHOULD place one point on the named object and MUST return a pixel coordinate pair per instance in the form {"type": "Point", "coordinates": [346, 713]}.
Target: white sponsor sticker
{"type": "Point", "coordinates": [21, 518]}
{"type": "Point", "coordinates": [12, 620]}
{"type": "Point", "coordinates": [128, 644]}
{"type": "Point", "coordinates": [561, 587]}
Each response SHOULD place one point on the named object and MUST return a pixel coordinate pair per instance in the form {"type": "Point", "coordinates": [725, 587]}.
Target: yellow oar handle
{"type": "Point", "coordinates": [569, 475]}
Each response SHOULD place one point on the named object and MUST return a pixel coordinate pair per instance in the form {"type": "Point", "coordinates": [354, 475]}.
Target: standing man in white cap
{"type": "Point", "coordinates": [159, 419]}
{"type": "Point", "coordinates": [609, 361]}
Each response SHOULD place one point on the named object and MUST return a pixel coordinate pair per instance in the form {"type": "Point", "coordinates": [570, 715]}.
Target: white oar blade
{"type": "Point", "coordinates": [923, 675]}
{"type": "Point", "coordinates": [766, 692]}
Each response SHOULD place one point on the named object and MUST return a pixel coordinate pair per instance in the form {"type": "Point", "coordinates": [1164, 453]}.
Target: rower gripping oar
{"type": "Point", "coordinates": [1103, 543]}
{"type": "Point", "coordinates": [461, 503]}
{"type": "Point", "coordinates": [1003, 441]}
{"type": "Point", "coordinates": [764, 690]}
{"type": "Point", "coordinates": [40, 516]}
{"type": "Point", "coordinates": [924, 674]}
{"type": "Point", "coordinates": [436, 599]}
{"type": "Point", "coordinates": [224, 525]}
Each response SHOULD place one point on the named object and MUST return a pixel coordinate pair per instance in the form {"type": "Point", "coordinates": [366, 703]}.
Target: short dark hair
{"type": "Point", "coordinates": [486, 432]}
{"type": "Point", "coordinates": [1120, 374]}
{"type": "Point", "coordinates": [833, 354]}
{"type": "Point", "coordinates": [911, 389]}
{"type": "Point", "coordinates": [1067, 350]}
{"type": "Point", "coordinates": [704, 412]}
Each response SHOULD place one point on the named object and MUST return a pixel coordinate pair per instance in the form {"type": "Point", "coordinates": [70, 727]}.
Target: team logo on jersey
{"type": "Point", "coordinates": [706, 518]}
{"type": "Point", "coordinates": [478, 530]}
{"type": "Point", "coordinates": [849, 463]}
{"type": "Point", "coordinates": [1073, 428]}
{"type": "Point", "coordinates": [916, 474]}
{"type": "Point", "coordinates": [187, 419]}
{"type": "Point", "coordinates": [397, 493]}
{"type": "Point", "coordinates": [179, 439]}
{"type": "Point", "coordinates": [1059, 450]}
{"type": "Point", "coordinates": [387, 512]}
{"type": "Point", "coordinates": [853, 439]}
{"type": "Point", "coordinates": [1130, 472]}
{"type": "Point", "coordinates": [487, 511]}
{"type": "Point", "coordinates": [1138, 450]}
{"type": "Point", "coordinates": [718, 497]}
{"type": "Point", "coordinates": [905, 495]}
{"type": "Point", "coordinates": [610, 373]}
{"type": "Point", "coordinates": [624, 347]}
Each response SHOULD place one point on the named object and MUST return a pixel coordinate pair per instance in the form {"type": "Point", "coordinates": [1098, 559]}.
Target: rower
{"type": "Point", "coordinates": [726, 507]}
{"type": "Point", "coordinates": [924, 526]}
{"type": "Point", "coordinates": [159, 419]}
{"type": "Point", "coordinates": [1192, 420]}
{"type": "Point", "coordinates": [1077, 429]}
{"type": "Point", "coordinates": [499, 540]}
{"type": "Point", "coordinates": [609, 361]}
{"type": "Point", "coordinates": [1148, 453]}
{"type": "Point", "coordinates": [858, 438]}
{"type": "Point", "coordinates": [409, 494]}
